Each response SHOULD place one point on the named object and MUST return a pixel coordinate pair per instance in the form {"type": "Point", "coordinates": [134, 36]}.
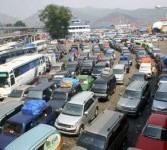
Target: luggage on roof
{"type": "Point", "coordinates": [124, 57]}
{"type": "Point", "coordinates": [69, 82]}
{"type": "Point", "coordinates": [34, 107]}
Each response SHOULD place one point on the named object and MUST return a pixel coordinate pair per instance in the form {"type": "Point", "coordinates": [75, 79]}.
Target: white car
{"type": "Point", "coordinates": [146, 68]}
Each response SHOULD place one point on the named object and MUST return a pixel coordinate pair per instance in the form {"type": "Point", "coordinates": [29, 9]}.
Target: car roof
{"type": "Point", "coordinates": [139, 73]}
{"type": "Point", "coordinates": [66, 90]}
{"type": "Point", "coordinates": [136, 85]}
{"type": "Point", "coordinates": [82, 76]}
{"type": "Point", "coordinates": [100, 64]}
{"type": "Point", "coordinates": [158, 119]}
{"type": "Point", "coordinates": [119, 66]}
{"type": "Point", "coordinates": [81, 98]}
{"type": "Point", "coordinates": [42, 86]}
{"type": "Point", "coordinates": [32, 139]}
{"type": "Point", "coordinates": [145, 64]}
{"type": "Point", "coordinates": [7, 107]}
{"type": "Point", "coordinates": [23, 87]}
{"type": "Point", "coordinates": [104, 122]}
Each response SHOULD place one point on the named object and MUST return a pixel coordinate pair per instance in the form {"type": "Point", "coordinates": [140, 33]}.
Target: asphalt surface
{"type": "Point", "coordinates": [135, 124]}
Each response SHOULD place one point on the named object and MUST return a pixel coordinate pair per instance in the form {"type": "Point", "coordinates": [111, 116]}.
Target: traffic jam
{"type": "Point", "coordinates": [96, 94]}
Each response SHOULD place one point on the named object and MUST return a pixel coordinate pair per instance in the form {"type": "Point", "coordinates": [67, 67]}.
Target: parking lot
{"type": "Point", "coordinates": [135, 124]}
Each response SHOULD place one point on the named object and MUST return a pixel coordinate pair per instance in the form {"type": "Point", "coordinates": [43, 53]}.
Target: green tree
{"type": "Point", "coordinates": [9, 24]}
{"type": "Point", "coordinates": [19, 24]}
{"type": "Point", "coordinates": [56, 19]}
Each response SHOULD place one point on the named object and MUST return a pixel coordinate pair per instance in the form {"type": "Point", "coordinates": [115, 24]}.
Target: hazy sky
{"type": "Point", "coordinates": [25, 8]}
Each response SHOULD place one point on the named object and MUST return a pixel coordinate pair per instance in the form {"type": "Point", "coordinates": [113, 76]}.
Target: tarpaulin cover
{"type": "Point", "coordinates": [34, 107]}
{"type": "Point", "coordinates": [69, 82]}
{"type": "Point", "coordinates": [146, 60]}
{"type": "Point", "coordinates": [165, 60]}
{"type": "Point", "coordinates": [125, 57]}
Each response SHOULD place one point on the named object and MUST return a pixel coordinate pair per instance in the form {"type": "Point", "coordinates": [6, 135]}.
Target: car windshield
{"type": "Point", "coordinates": [61, 96]}
{"type": "Point", "coordinates": [91, 141]}
{"type": "Point", "coordinates": [138, 78]}
{"type": "Point", "coordinates": [163, 78]}
{"type": "Point", "coordinates": [4, 80]}
{"type": "Point", "coordinates": [161, 96]}
{"type": "Point", "coordinates": [118, 71]}
{"type": "Point", "coordinates": [86, 64]}
{"type": "Point", "coordinates": [123, 62]}
{"type": "Point", "coordinates": [16, 93]}
{"type": "Point", "coordinates": [73, 109]}
{"type": "Point", "coordinates": [155, 132]}
{"type": "Point", "coordinates": [56, 67]}
{"type": "Point", "coordinates": [12, 128]}
{"type": "Point", "coordinates": [34, 94]}
{"type": "Point", "coordinates": [98, 68]}
{"type": "Point", "coordinates": [132, 94]}
{"type": "Point", "coordinates": [145, 68]}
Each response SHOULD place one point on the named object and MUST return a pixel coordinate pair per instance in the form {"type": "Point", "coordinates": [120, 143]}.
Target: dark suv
{"type": "Point", "coordinates": [87, 67]}
{"type": "Point", "coordinates": [135, 97]}
{"type": "Point", "coordinates": [61, 95]}
{"type": "Point", "coordinates": [104, 87]}
{"type": "Point", "coordinates": [107, 131]}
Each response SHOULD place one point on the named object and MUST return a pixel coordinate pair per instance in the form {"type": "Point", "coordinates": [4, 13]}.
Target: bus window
{"type": "Point", "coordinates": [12, 79]}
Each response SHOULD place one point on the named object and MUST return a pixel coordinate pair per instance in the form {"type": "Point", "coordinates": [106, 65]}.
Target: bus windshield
{"type": "Point", "coordinates": [3, 80]}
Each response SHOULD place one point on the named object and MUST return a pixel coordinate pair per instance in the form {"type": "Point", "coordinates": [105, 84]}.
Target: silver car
{"type": "Point", "coordinates": [160, 99]}
{"type": "Point", "coordinates": [136, 95]}
{"type": "Point", "coordinates": [77, 113]}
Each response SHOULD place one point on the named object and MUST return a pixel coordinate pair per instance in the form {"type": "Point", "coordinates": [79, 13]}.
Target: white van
{"type": "Point", "coordinates": [146, 68]}
{"type": "Point", "coordinates": [119, 72]}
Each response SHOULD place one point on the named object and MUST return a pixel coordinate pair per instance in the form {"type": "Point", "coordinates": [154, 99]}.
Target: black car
{"type": "Point", "coordinates": [87, 67]}
{"type": "Point", "coordinates": [98, 68]}
{"type": "Point", "coordinates": [73, 67]}
{"type": "Point", "coordinates": [104, 87]}
{"type": "Point", "coordinates": [61, 96]}
{"type": "Point", "coordinates": [126, 63]}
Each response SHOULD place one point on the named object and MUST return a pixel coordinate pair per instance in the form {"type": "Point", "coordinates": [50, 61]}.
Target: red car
{"type": "Point", "coordinates": [154, 134]}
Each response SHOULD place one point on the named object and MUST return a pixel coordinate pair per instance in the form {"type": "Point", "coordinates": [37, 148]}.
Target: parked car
{"type": "Point", "coordinates": [98, 68]}
{"type": "Point", "coordinates": [43, 91]}
{"type": "Point", "coordinates": [135, 97]}
{"type": "Point", "coordinates": [61, 96]}
{"type": "Point", "coordinates": [160, 99]}
{"type": "Point", "coordinates": [139, 76]}
{"type": "Point", "coordinates": [74, 68]}
{"type": "Point", "coordinates": [26, 120]}
{"type": "Point", "coordinates": [147, 69]}
{"type": "Point", "coordinates": [19, 94]}
{"type": "Point", "coordinates": [107, 131]}
{"type": "Point", "coordinates": [7, 110]}
{"type": "Point", "coordinates": [85, 81]}
{"type": "Point", "coordinates": [153, 136]}
{"type": "Point", "coordinates": [124, 60]}
{"type": "Point", "coordinates": [119, 71]}
{"type": "Point", "coordinates": [87, 67]}
{"type": "Point", "coordinates": [40, 137]}
{"type": "Point", "coordinates": [77, 113]}
{"type": "Point", "coordinates": [104, 87]}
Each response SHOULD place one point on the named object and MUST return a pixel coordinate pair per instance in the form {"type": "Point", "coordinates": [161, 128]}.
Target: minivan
{"type": "Point", "coordinates": [43, 91]}
{"type": "Point", "coordinates": [119, 72]}
{"type": "Point", "coordinates": [160, 99]}
{"type": "Point", "coordinates": [8, 109]}
{"type": "Point", "coordinates": [40, 137]}
{"type": "Point", "coordinates": [36, 112]}
{"type": "Point", "coordinates": [107, 131]}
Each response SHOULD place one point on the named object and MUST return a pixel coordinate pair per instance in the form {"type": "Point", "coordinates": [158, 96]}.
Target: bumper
{"type": "Point", "coordinates": [128, 112]}
{"type": "Point", "coordinates": [67, 131]}
{"type": "Point", "coordinates": [101, 95]}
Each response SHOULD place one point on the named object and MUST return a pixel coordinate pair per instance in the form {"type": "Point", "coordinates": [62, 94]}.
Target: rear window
{"type": "Point", "coordinates": [91, 141]}
{"type": "Point", "coordinates": [155, 132]}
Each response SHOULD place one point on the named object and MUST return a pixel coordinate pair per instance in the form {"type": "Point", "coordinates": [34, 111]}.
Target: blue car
{"type": "Point", "coordinates": [33, 113]}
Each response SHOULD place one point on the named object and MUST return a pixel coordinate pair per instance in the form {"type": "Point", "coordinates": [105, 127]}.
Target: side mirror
{"type": "Point", "coordinates": [85, 113]}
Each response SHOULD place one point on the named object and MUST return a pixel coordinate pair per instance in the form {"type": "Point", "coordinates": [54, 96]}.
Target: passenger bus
{"type": "Point", "coordinates": [21, 70]}
{"type": "Point", "coordinates": [40, 45]}
{"type": "Point", "coordinates": [11, 53]}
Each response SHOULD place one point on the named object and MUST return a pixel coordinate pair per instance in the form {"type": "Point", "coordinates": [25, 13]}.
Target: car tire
{"type": "Point", "coordinates": [81, 128]}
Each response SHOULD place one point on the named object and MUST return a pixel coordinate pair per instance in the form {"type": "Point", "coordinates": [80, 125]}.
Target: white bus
{"type": "Point", "coordinates": [40, 45]}
{"type": "Point", "coordinates": [20, 71]}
